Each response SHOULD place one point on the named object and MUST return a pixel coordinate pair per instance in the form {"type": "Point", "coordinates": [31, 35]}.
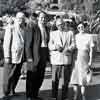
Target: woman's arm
{"type": "Point", "coordinates": [91, 51]}
{"type": "Point", "coordinates": [91, 56]}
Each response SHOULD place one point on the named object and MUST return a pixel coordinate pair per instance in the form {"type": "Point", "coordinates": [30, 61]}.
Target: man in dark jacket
{"type": "Point", "coordinates": [39, 52]}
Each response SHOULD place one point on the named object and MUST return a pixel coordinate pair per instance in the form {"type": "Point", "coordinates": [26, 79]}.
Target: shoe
{"type": "Point", "coordinates": [75, 97]}
{"type": "Point", "coordinates": [23, 77]}
{"type": "Point", "coordinates": [37, 98]}
{"type": "Point", "coordinates": [29, 98]}
{"type": "Point", "coordinates": [12, 92]}
{"type": "Point", "coordinates": [4, 97]}
{"type": "Point", "coordinates": [83, 97]}
{"type": "Point", "coordinates": [54, 89]}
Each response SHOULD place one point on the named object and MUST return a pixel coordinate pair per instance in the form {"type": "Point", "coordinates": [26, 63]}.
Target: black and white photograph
{"type": "Point", "coordinates": [49, 49]}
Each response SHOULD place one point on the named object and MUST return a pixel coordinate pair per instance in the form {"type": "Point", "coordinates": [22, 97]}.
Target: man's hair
{"type": "Point", "coordinates": [20, 14]}
{"type": "Point", "coordinates": [85, 24]}
{"type": "Point", "coordinates": [59, 21]}
{"type": "Point", "coordinates": [42, 12]}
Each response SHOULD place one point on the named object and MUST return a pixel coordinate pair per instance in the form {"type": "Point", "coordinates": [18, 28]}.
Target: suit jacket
{"type": "Point", "coordinates": [66, 41]}
{"type": "Point", "coordinates": [35, 46]}
{"type": "Point", "coordinates": [15, 42]}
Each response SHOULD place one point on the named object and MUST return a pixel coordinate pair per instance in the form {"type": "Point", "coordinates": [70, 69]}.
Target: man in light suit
{"type": "Point", "coordinates": [61, 45]}
{"type": "Point", "coordinates": [17, 38]}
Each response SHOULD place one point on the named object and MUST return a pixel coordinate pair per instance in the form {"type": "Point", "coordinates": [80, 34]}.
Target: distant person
{"type": "Point", "coordinates": [61, 45]}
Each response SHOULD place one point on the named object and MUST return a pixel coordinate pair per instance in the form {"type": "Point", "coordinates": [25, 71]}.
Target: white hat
{"type": "Point", "coordinates": [20, 15]}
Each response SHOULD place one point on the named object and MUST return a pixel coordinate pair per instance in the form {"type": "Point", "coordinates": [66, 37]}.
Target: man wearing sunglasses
{"type": "Point", "coordinates": [61, 45]}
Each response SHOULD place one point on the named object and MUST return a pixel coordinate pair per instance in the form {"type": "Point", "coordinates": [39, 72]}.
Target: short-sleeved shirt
{"type": "Point", "coordinates": [84, 41]}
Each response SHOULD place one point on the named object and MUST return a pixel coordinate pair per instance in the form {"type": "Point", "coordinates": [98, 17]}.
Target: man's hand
{"type": "Point", "coordinates": [30, 66]}
{"type": "Point", "coordinates": [66, 52]}
{"type": "Point", "coordinates": [59, 48]}
{"type": "Point", "coordinates": [7, 60]}
{"type": "Point", "coordinates": [89, 64]}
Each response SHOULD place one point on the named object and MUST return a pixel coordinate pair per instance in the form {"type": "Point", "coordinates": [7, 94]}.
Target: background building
{"type": "Point", "coordinates": [90, 6]}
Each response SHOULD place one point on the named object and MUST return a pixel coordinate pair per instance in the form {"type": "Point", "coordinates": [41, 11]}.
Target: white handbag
{"type": "Point", "coordinates": [89, 76]}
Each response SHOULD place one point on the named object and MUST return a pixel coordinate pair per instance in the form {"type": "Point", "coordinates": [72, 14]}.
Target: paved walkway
{"type": "Point", "coordinates": [93, 90]}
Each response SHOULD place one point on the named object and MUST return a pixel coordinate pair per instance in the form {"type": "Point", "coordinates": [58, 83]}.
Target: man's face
{"type": "Point", "coordinates": [60, 27]}
{"type": "Point", "coordinates": [20, 20]}
{"type": "Point", "coordinates": [42, 18]}
{"type": "Point", "coordinates": [60, 24]}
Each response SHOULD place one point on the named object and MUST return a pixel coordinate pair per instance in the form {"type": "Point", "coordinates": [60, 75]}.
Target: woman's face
{"type": "Point", "coordinates": [81, 28]}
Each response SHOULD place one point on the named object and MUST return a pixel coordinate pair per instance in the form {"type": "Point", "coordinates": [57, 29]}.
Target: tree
{"type": "Point", "coordinates": [9, 6]}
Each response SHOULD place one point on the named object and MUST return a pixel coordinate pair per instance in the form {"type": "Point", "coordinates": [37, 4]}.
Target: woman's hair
{"type": "Point", "coordinates": [34, 15]}
{"type": "Point", "coordinates": [85, 24]}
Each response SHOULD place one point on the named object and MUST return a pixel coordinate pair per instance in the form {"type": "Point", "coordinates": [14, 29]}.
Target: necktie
{"type": "Point", "coordinates": [61, 38]}
{"type": "Point", "coordinates": [43, 34]}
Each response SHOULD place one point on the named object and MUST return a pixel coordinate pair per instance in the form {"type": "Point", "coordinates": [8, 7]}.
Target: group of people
{"type": "Point", "coordinates": [32, 41]}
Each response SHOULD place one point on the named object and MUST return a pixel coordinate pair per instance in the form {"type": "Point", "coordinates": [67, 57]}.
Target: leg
{"type": "Point", "coordinates": [66, 73]}
{"type": "Point", "coordinates": [15, 75]}
{"type": "Point", "coordinates": [6, 78]}
{"type": "Point", "coordinates": [23, 71]}
{"type": "Point", "coordinates": [75, 89]}
{"type": "Point", "coordinates": [31, 84]}
{"type": "Point", "coordinates": [55, 80]}
{"type": "Point", "coordinates": [41, 67]}
{"type": "Point", "coordinates": [41, 74]}
{"type": "Point", "coordinates": [28, 85]}
{"type": "Point", "coordinates": [83, 92]}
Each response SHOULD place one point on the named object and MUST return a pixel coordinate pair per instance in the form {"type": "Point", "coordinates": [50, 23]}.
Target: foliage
{"type": "Point", "coordinates": [12, 6]}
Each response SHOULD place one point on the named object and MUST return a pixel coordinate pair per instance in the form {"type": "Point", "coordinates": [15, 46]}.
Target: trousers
{"type": "Point", "coordinates": [11, 76]}
{"type": "Point", "coordinates": [59, 71]}
{"type": "Point", "coordinates": [35, 77]}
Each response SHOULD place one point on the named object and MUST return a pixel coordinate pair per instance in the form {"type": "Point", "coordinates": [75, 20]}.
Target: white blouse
{"type": "Point", "coordinates": [84, 41]}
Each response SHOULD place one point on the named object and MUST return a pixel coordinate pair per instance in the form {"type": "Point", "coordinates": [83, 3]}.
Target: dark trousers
{"type": "Point", "coordinates": [35, 78]}
{"type": "Point", "coordinates": [59, 71]}
{"type": "Point", "coordinates": [34, 82]}
{"type": "Point", "coordinates": [11, 76]}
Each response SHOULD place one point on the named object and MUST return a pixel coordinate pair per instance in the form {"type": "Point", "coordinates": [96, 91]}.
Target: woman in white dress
{"type": "Point", "coordinates": [84, 45]}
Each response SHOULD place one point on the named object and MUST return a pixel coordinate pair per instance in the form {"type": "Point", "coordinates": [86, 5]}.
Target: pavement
{"type": "Point", "coordinates": [92, 90]}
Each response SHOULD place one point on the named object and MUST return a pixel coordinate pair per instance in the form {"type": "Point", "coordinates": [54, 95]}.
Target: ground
{"type": "Point", "coordinates": [92, 91]}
